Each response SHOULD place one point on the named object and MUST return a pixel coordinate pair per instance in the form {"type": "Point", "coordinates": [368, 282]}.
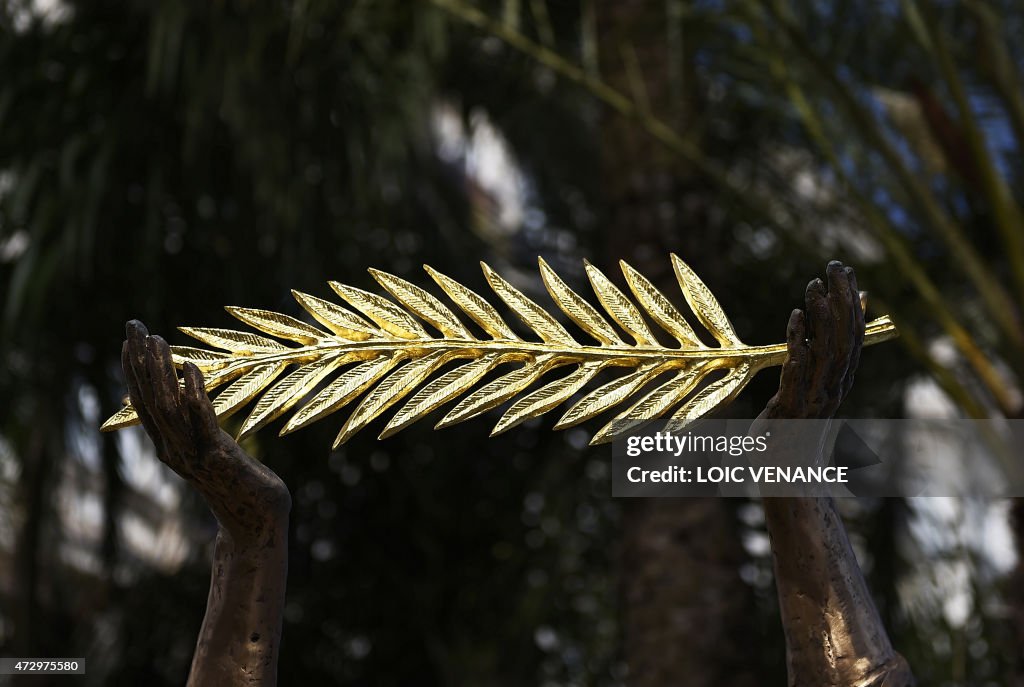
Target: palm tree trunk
{"type": "Point", "coordinates": [687, 616]}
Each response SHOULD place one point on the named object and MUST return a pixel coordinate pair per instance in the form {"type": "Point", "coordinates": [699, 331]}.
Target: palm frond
{"type": "Point", "coordinates": [381, 350]}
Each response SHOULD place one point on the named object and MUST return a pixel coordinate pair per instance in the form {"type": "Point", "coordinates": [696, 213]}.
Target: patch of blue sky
{"type": "Point", "coordinates": [903, 146]}
{"type": "Point", "coordinates": [741, 33]}
{"type": "Point", "coordinates": [896, 212]}
{"type": "Point", "coordinates": [709, 5]}
{"type": "Point", "coordinates": [1003, 147]}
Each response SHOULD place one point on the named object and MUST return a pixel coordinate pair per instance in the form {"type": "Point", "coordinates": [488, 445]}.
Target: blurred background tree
{"type": "Point", "coordinates": [159, 160]}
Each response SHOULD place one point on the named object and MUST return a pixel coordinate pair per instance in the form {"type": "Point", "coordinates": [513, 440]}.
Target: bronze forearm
{"type": "Point", "coordinates": [241, 631]}
{"type": "Point", "coordinates": [834, 635]}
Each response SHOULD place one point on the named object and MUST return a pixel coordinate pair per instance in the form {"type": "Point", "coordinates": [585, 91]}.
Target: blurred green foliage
{"type": "Point", "coordinates": [160, 160]}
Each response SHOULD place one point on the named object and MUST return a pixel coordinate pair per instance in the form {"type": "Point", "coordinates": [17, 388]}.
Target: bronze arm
{"type": "Point", "coordinates": [239, 639]}
{"type": "Point", "coordinates": [834, 636]}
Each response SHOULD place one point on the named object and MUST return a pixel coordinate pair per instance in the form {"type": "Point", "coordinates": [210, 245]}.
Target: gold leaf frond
{"type": "Point", "coordinates": [382, 350]}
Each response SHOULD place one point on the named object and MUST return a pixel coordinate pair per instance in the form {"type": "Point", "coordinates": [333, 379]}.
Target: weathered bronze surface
{"type": "Point", "coordinates": [384, 350]}
{"type": "Point", "coordinates": [834, 636]}
{"type": "Point", "coordinates": [241, 631]}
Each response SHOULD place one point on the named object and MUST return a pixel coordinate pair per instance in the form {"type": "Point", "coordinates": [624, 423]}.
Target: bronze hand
{"type": "Point", "coordinates": [241, 631]}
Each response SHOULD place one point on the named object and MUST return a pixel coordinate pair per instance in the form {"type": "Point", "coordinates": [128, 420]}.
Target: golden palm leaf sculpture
{"type": "Point", "coordinates": [384, 350]}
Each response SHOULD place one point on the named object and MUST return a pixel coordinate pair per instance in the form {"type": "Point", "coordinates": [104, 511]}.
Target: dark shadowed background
{"type": "Point", "coordinates": [159, 160]}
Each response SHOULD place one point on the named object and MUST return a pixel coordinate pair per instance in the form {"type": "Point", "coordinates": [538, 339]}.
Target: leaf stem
{"type": "Point", "coordinates": [1001, 306]}
{"type": "Point", "coordinates": [883, 229]}
{"type": "Point", "coordinates": [744, 197]}
{"type": "Point", "coordinates": [879, 330]}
